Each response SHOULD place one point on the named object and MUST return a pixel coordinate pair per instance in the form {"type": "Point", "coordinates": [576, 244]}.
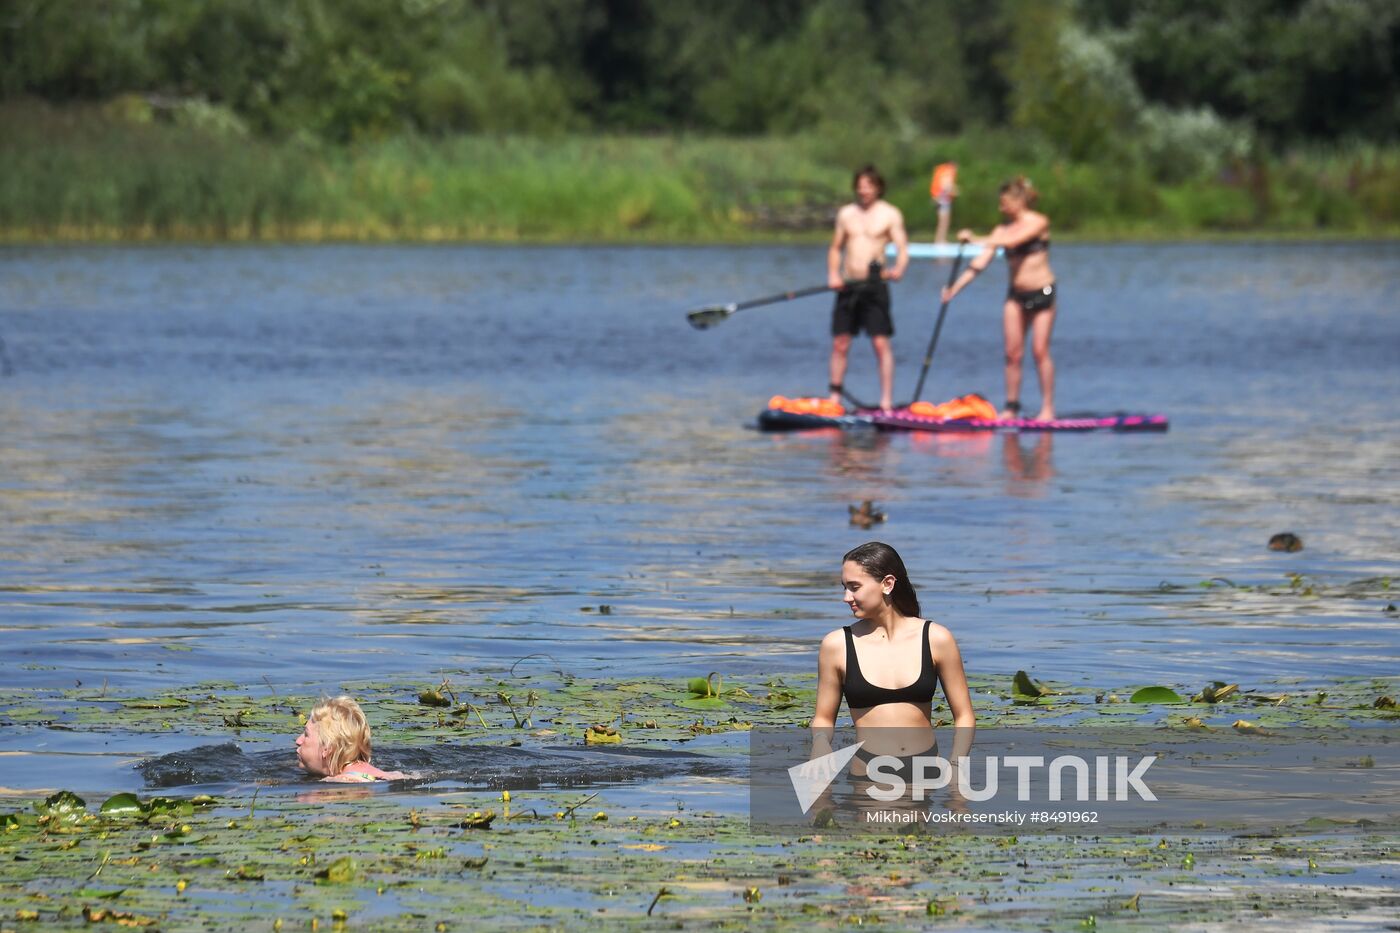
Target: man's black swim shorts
{"type": "Point", "coordinates": [863, 306]}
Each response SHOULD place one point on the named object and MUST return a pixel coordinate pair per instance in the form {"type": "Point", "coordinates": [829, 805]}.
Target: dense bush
{"type": "Point", "coordinates": [1083, 73]}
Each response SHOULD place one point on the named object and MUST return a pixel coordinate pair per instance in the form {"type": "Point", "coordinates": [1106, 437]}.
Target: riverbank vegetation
{"type": "Point", "coordinates": [641, 120]}
{"type": "Point", "coordinates": [117, 172]}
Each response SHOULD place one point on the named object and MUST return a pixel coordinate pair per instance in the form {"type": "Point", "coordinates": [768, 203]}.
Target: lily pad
{"type": "Point", "coordinates": [1023, 687]}
{"type": "Point", "coordinates": [122, 918]}
{"type": "Point", "coordinates": [158, 807]}
{"type": "Point", "coordinates": [602, 735]}
{"type": "Point", "coordinates": [122, 805]}
{"type": "Point", "coordinates": [703, 703]}
{"type": "Point", "coordinates": [63, 807]}
{"type": "Point", "coordinates": [157, 703]}
{"type": "Point", "coordinates": [1216, 692]}
{"type": "Point", "coordinates": [342, 871]}
{"type": "Point", "coordinates": [433, 698]}
{"type": "Point", "coordinates": [1155, 695]}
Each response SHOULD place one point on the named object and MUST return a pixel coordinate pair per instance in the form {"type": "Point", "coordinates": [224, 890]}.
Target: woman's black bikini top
{"type": "Point", "coordinates": [1040, 244]}
{"type": "Point", "coordinates": [862, 694]}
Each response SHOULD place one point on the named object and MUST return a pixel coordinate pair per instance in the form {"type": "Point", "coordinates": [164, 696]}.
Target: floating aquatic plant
{"type": "Point", "coordinates": [1155, 695]}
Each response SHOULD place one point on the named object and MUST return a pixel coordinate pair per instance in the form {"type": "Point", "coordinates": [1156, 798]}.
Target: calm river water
{"type": "Point", "coordinates": [324, 463]}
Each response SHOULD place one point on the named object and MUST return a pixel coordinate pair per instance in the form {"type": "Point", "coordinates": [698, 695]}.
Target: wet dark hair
{"type": "Point", "coordinates": [871, 172]}
{"type": "Point", "coordinates": [880, 560]}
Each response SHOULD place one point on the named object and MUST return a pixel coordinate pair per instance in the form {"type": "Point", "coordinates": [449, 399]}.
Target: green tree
{"type": "Point", "coordinates": [1068, 84]}
{"type": "Point", "coordinates": [1295, 69]}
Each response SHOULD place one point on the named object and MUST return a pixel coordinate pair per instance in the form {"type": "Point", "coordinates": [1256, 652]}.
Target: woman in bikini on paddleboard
{"type": "Point", "coordinates": [1024, 235]}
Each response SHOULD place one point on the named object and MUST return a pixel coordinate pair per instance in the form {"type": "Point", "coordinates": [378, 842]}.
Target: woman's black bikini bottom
{"type": "Point", "coordinates": [1036, 299]}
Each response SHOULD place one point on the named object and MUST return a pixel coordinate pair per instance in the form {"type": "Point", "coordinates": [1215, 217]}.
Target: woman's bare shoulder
{"type": "Point", "coordinates": [939, 636]}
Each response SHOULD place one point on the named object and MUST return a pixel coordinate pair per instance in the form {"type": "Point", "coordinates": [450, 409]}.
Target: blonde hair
{"type": "Point", "coordinates": [1021, 187]}
{"type": "Point", "coordinates": [343, 731]}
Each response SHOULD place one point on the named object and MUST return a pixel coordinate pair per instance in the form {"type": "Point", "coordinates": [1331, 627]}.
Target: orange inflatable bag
{"type": "Point", "coordinates": [824, 407]}
{"type": "Point", "coordinates": [944, 183]}
{"type": "Point", "coordinates": [963, 408]}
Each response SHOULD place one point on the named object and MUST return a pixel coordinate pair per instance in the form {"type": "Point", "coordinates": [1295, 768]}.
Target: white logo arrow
{"type": "Point", "coordinates": [811, 778]}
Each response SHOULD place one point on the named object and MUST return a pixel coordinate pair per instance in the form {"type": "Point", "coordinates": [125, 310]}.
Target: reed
{"type": "Point", "coordinates": [98, 173]}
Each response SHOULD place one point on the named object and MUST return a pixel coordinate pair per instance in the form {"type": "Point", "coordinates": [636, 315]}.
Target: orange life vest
{"type": "Point", "coordinates": [944, 180]}
{"type": "Point", "coordinates": [807, 406]}
{"type": "Point", "coordinates": [962, 408]}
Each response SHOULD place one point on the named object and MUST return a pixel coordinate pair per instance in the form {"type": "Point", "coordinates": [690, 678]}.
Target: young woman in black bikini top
{"type": "Point", "coordinates": [862, 694]}
{"type": "Point", "coordinates": [889, 720]}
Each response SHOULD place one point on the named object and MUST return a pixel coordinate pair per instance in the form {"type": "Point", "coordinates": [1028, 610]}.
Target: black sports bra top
{"type": "Point", "coordinates": [1040, 244]}
{"type": "Point", "coordinates": [862, 694]}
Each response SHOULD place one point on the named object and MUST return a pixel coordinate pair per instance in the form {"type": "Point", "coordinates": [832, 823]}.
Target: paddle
{"type": "Point", "coordinates": [704, 318]}
{"type": "Point", "coordinates": [937, 328]}
{"type": "Point", "coordinates": [709, 317]}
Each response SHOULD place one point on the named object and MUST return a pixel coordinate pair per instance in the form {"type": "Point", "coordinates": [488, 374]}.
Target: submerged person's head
{"type": "Point", "coordinates": [1016, 195]}
{"type": "Point", "coordinates": [336, 735]}
{"type": "Point", "coordinates": [873, 576]}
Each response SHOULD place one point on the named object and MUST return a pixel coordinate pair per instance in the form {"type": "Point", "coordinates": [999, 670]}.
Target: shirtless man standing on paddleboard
{"type": "Point", "coordinates": [863, 230]}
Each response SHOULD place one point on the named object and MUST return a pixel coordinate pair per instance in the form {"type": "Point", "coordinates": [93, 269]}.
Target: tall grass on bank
{"type": "Point", "coordinates": [98, 173]}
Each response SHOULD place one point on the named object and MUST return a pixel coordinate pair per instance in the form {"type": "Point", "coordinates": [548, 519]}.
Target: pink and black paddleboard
{"type": "Point", "coordinates": [903, 420]}
{"type": "Point", "coordinates": [775, 419]}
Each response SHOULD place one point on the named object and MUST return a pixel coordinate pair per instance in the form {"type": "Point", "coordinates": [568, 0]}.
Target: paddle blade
{"type": "Point", "coordinates": [709, 317]}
